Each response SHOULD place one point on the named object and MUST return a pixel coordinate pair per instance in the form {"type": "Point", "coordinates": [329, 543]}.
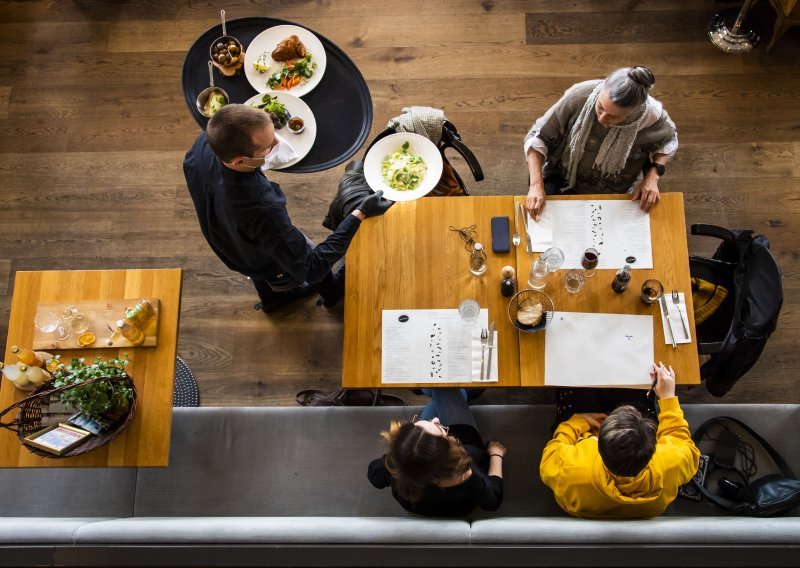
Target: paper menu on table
{"type": "Point", "coordinates": [617, 229]}
{"type": "Point", "coordinates": [428, 346]}
{"type": "Point", "coordinates": [598, 350]}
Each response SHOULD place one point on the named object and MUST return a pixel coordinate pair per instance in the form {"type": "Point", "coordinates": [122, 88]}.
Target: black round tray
{"type": "Point", "coordinates": [341, 102]}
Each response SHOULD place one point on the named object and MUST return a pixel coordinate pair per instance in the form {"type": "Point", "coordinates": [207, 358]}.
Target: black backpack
{"type": "Point", "coordinates": [737, 334]}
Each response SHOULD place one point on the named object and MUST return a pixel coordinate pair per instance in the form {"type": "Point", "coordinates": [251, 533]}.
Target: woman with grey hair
{"type": "Point", "coordinates": [602, 136]}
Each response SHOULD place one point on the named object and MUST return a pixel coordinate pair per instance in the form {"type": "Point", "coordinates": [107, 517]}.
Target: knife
{"type": "Point", "coordinates": [528, 244]}
{"type": "Point", "coordinates": [491, 347]}
{"type": "Point", "coordinates": [669, 323]}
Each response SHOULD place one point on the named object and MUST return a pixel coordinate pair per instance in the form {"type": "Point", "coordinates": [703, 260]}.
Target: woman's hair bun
{"type": "Point", "coordinates": [642, 76]}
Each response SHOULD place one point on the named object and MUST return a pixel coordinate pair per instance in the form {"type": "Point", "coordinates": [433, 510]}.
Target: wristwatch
{"type": "Point", "coordinates": [660, 169]}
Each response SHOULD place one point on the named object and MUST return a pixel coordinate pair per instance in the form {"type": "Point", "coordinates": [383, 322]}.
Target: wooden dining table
{"type": "Point", "coordinates": [412, 258]}
{"type": "Point", "coordinates": [146, 439]}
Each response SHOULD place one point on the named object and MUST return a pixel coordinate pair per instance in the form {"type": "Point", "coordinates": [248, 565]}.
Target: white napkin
{"type": "Point", "coordinates": [675, 320]}
{"type": "Point", "coordinates": [283, 155]}
{"type": "Point", "coordinates": [541, 231]}
{"type": "Point", "coordinates": [476, 358]}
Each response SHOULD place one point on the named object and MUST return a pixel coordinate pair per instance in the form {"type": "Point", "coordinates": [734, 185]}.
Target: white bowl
{"type": "Point", "coordinates": [418, 145]}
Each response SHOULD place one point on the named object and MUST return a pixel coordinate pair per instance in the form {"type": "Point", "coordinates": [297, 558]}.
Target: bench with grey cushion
{"type": "Point", "coordinates": [288, 486]}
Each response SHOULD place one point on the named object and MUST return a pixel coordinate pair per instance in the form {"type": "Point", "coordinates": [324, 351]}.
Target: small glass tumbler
{"type": "Point", "coordinates": [554, 257]}
{"type": "Point", "coordinates": [469, 310]}
{"type": "Point", "coordinates": [574, 281]}
{"type": "Point", "coordinates": [652, 290]}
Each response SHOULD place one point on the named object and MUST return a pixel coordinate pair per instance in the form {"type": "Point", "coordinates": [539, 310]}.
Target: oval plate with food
{"type": "Point", "coordinates": [302, 142]}
{"type": "Point", "coordinates": [260, 51]}
{"type": "Point", "coordinates": [391, 165]}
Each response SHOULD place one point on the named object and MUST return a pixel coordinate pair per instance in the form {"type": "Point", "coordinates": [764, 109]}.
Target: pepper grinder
{"type": "Point", "coordinates": [507, 285]}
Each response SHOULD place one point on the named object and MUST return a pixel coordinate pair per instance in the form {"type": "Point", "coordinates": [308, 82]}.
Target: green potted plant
{"type": "Point", "coordinates": [98, 399]}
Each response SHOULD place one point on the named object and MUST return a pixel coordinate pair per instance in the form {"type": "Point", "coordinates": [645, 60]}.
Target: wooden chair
{"type": "Point", "coordinates": [788, 15]}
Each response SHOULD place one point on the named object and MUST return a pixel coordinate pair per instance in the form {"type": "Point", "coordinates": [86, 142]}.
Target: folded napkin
{"type": "Point", "coordinates": [281, 155]}
{"type": "Point", "coordinates": [541, 231]}
{"type": "Point", "coordinates": [675, 320]}
{"type": "Point", "coordinates": [476, 358]}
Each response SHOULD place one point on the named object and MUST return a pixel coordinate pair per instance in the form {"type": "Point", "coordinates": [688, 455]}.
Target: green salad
{"type": "Point", "coordinates": [403, 170]}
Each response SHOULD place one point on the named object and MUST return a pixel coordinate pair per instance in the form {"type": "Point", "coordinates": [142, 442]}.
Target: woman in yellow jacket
{"type": "Point", "coordinates": [622, 466]}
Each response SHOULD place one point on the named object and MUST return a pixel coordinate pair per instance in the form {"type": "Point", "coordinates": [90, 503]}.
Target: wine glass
{"type": "Point", "coordinates": [554, 257]}
{"type": "Point", "coordinates": [589, 261]}
{"type": "Point", "coordinates": [574, 281]}
{"type": "Point", "coordinates": [48, 322]}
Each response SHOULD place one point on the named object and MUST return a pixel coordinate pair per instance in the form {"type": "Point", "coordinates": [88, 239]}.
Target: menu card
{"type": "Point", "coordinates": [598, 350]}
{"type": "Point", "coordinates": [432, 346]}
{"type": "Point", "coordinates": [617, 229]}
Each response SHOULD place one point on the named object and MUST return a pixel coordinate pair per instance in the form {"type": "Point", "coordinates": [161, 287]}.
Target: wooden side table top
{"type": "Point", "coordinates": [145, 442]}
{"type": "Point", "coordinates": [410, 259]}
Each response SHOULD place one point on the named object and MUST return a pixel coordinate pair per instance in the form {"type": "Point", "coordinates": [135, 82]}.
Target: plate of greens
{"type": "Point", "coordinates": [300, 65]}
{"type": "Point", "coordinates": [404, 165]}
{"type": "Point", "coordinates": [282, 107]}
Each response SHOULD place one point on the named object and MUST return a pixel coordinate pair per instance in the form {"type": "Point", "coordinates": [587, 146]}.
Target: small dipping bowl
{"type": "Point", "coordinates": [206, 93]}
{"type": "Point", "coordinates": [296, 125]}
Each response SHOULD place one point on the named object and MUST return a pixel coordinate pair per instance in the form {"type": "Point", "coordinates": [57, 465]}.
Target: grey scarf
{"type": "Point", "coordinates": [616, 146]}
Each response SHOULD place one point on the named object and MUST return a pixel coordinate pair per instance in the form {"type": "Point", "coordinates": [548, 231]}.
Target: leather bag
{"type": "Point", "coordinates": [767, 496]}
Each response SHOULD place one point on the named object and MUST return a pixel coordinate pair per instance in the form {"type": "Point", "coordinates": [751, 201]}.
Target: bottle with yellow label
{"type": "Point", "coordinates": [140, 313]}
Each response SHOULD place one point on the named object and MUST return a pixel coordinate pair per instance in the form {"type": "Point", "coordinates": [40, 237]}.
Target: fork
{"type": "Point", "coordinates": [515, 238]}
{"type": "Point", "coordinates": [677, 301]}
{"type": "Point", "coordinates": [484, 342]}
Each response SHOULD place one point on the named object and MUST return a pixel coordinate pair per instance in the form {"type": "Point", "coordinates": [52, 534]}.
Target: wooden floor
{"type": "Point", "coordinates": [93, 129]}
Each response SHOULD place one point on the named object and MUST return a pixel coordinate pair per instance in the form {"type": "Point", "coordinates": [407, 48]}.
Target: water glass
{"type": "Point", "coordinates": [652, 290]}
{"type": "Point", "coordinates": [469, 310]}
{"type": "Point", "coordinates": [46, 321]}
{"type": "Point", "coordinates": [554, 257]}
{"type": "Point", "coordinates": [590, 260]}
{"type": "Point", "coordinates": [538, 276]}
{"type": "Point", "coordinates": [79, 322]}
{"type": "Point", "coordinates": [574, 281]}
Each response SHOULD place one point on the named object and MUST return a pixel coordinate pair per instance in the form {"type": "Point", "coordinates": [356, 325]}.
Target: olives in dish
{"type": "Point", "coordinates": [226, 51]}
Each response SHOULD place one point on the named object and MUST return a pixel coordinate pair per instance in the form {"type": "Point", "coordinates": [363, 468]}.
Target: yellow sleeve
{"type": "Point", "coordinates": [674, 444]}
{"type": "Point", "coordinates": [561, 448]}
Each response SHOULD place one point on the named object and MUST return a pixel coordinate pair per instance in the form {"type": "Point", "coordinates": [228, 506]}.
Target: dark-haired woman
{"type": "Point", "coordinates": [437, 470]}
{"type": "Point", "coordinates": [602, 136]}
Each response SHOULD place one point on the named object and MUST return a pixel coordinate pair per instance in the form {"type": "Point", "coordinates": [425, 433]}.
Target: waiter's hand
{"type": "Point", "coordinates": [647, 191]}
{"type": "Point", "coordinates": [373, 205]}
{"type": "Point", "coordinates": [536, 199]}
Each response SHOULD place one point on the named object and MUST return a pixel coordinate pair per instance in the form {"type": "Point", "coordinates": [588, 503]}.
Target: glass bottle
{"type": "Point", "coordinates": [139, 313]}
{"type": "Point", "coordinates": [622, 279]}
{"type": "Point", "coordinates": [130, 332]}
{"type": "Point", "coordinates": [539, 271]}
{"type": "Point", "coordinates": [30, 357]}
{"type": "Point", "coordinates": [477, 260]}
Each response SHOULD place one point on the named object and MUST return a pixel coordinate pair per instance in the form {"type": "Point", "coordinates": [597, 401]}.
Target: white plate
{"type": "Point", "coordinates": [302, 142]}
{"type": "Point", "coordinates": [417, 144]}
{"type": "Point", "coordinates": [266, 41]}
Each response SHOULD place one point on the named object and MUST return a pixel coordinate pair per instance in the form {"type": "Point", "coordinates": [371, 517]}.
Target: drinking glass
{"type": "Point", "coordinates": [554, 257]}
{"type": "Point", "coordinates": [48, 322]}
{"type": "Point", "coordinates": [79, 322]}
{"type": "Point", "coordinates": [652, 290]}
{"type": "Point", "coordinates": [589, 261]}
{"type": "Point", "coordinates": [538, 275]}
{"type": "Point", "coordinates": [469, 310]}
{"type": "Point", "coordinates": [574, 281]}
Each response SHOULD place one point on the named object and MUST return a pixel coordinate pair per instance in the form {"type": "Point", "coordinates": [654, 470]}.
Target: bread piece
{"type": "Point", "coordinates": [530, 315]}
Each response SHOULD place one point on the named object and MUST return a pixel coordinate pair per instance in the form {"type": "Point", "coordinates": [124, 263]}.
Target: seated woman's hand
{"type": "Point", "coordinates": [536, 199]}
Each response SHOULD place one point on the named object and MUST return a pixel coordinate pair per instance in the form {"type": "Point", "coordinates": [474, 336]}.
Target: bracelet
{"type": "Point", "coordinates": [495, 456]}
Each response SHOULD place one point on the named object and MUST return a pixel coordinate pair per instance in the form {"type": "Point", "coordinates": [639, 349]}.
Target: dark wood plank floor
{"type": "Point", "coordinates": [93, 129]}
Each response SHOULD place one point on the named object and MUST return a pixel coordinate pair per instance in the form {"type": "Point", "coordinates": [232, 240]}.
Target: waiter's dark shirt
{"type": "Point", "coordinates": [480, 490]}
{"type": "Point", "coordinates": [244, 219]}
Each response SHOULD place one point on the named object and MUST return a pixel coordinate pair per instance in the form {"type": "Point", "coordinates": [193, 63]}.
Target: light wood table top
{"type": "Point", "coordinates": [670, 267]}
{"type": "Point", "coordinates": [409, 259]}
{"type": "Point", "coordinates": [145, 441]}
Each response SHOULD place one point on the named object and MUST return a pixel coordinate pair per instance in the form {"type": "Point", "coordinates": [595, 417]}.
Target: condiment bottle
{"type": "Point", "coordinates": [130, 332]}
{"type": "Point", "coordinates": [622, 279]}
{"type": "Point", "coordinates": [138, 314]}
{"type": "Point", "coordinates": [507, 285]}
{"type": "Point", "coordinates": [30, 357]}
{"type": "Point", "coordinates": [477, 260]}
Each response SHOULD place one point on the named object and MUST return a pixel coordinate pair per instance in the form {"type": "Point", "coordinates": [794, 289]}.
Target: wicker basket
{"type": "Point", "coordinates": [529, 298]}
{"type": "Point", "coordinates": [29, 418]}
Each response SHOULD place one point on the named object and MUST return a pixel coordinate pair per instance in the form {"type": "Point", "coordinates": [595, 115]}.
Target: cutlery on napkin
{"type": "Point", "coordinates": [674, 331]}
